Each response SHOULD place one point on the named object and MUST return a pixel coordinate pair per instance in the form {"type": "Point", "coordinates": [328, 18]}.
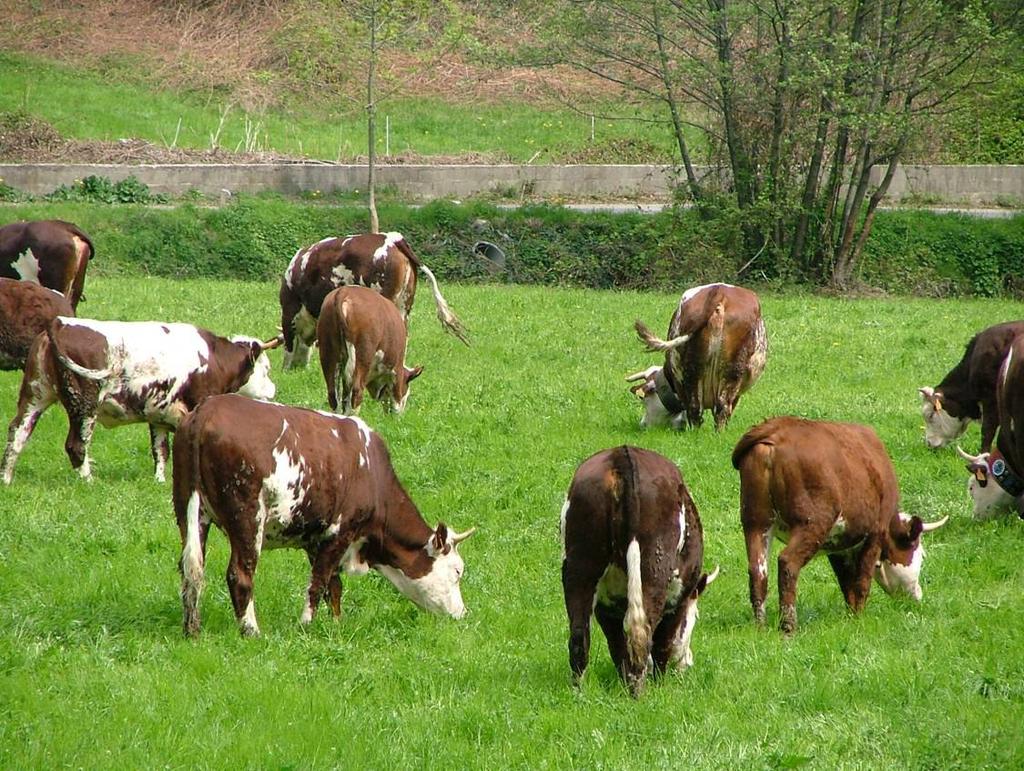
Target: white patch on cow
{"type": "Point", "coordinates": [438, 591]}
{"type": "Point", "coordinates": [835, 536]}
{"type": "Point", "coordinates": [940, 428]}
{"type": "Point", "coordinates": [343, 276]}
{"type": "Point", "coordinates": [390, 240]}
{"type": "Point", "coordinates": [990, 500]}
{"type": "Point", "coordinates": [141, 354]}
{"type": "Point", "coordinates": [192, 550]}
{"type": "Point", "coordinates": [694, 291]}
{"type": "Point", "coordinates": [761, 568]}
{"type": "Point", "coordinates": [674, 591]}
{"type": "Point", "coordinates": [895, 578]}
{"type": "Point", "coordinates": [248, 623]}
{"type": "Point", "coordinates": [682, 528]}
{"type": "Point", "coordinates": [682, 656]}
{"type": "Point", "coordinates": [351, 562]}
{"type": "Point", "coordinates": [282, 492]}
{"type": "Point", "coordinates": [561, 524]}
{"type": "Point", "coordinates": [307, 611]}
{"type": "Point", "coordinates": [27, 266]}
{"type": "Point", "coordinates": [366, 433]}
{"type": "Point", "coordinates": [290, 270]}
{"type": "Point", "coordinates": [348, 374]}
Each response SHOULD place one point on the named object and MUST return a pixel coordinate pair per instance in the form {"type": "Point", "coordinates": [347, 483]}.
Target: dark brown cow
{"type": "Point", "coordinates": [997, 477]}
{"type": "Point", "coordinates": [26, 309]}
{"type": "Point", "coordinates": [824, 487]}
{"type": "Point", "coordinates": [382, 261]}
{"type": "Point", "coordinates": [362, 342]}
{"type": "Point", "coordinates": [715, 352]}
{"type": "Point", "coordinates": [129, 372]}
{"type": "Point", "coordinates": [52, 253]}
{"type": "Point", "coordinates": [968, 391]}
{"type": "Point", "coordinates": [308, 480]}
{"type": "Point", "coordinates": [633, 556]}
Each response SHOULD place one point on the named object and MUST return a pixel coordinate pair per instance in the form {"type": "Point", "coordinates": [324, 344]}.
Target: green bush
{"type": "Point", "coordinates": [915, 253]}
{"type": "Point", "coordinates": [102, 190]}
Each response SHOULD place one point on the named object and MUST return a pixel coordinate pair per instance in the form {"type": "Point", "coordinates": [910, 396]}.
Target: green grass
{"type": "Point", "coordinates": [94, 671]}
{"type": "Point", "coordinates": [90, 106]}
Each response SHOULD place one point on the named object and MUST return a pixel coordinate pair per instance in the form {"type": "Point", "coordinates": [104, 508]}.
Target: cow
{"type": "Point", "coordinates": [968, 391]}
{"type": "Point", "coordinates": [715, 352]}
{"type": "Point", "coordinates": [272, 476]}
{"type": "Point", "coordinates": [633, 555]}
{"type": "Point", "coordinates": [826, 487]}
{"type": "Point", "coordinates": [52, 253]}
{"type": "Point", "coordinates": [362, 340]}
{"type": "Point", "coordinates": [123, 372]}
{"type": "Point", "coordinates": [26, 309]}
{"type": "Point", "coordinates": [1005, 464]}
{"type": "Point", "coordinates": [381, 261]}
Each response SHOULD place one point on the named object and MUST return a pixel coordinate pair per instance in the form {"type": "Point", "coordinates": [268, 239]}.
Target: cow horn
{"type": "Point", "coordinates": [274, 342]}
{"type": "Point", "coordinates": [967, 457]}
{"type": "Point", "coordinates": [927, 527]}
{"type": "Point", "coordinates": [712, 575]}
{"type": "Point", "coordinates": [927, 392]}
{"type": "Point", "coordinates": [458, 538]}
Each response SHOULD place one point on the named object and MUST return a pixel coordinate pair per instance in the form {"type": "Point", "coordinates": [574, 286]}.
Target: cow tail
{"type": "Point", "coordinates": [655, 343]}
{"type": "Point", "coordinates": [635, 623]}
{"type": "Point", "coordinates": [448, 319]}
{"type": "Point", "coordinates": [67, 363]}
{"type": "Point", "coordinates": [187, 482]}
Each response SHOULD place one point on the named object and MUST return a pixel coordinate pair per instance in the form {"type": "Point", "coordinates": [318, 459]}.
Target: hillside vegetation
{"type": "Point", "coordinates": [285, 78]}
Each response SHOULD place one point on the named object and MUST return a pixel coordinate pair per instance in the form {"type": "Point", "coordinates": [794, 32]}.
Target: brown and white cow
{"type": "Point", "coordinates": [382, 261]}
{"type": "Point", "coordinates": [26, 309]}
{"type": "Point", "coordinates": [997, 477]}
{"type": "Point", "coordinates": [362, 341]}
{"type": "Point", "coordinates": [968, 391]}
{"type": "Point", "coordinates": [272, 476]}
{"type": "Point", "coordinates": [824, 487]}
{"type": "Point", "coordinates": [715, 352]}
{"type": "Point", "coordinates": [52, 253]}
{"type": "Point", "coordinates": [121, 372]}
{"type": "Point", "coordinates": [633, 556]}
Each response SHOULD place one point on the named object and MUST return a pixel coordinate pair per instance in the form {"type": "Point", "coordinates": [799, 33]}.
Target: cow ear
{"type": "Point", "coordinates": [255, 349]}
{"type": "Point", "coordinates": [915, 527]}
{"type": "Point", "coordinates": [438, 543]}
{"type": "Point", "coordinates": [412, 374]}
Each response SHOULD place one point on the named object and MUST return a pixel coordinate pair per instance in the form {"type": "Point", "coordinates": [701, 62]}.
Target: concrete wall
{"type": "Point", "coordinates": [953, 184]}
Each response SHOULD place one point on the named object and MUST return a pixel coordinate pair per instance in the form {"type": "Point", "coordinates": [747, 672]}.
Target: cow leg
{"type": "Point", "coordinates": [611, 621]}
{"type": "Point", "coordinates": [725, 403]}
{"type": "Point", "coordinates": [671, 641]}
{"type": "Point", "coordinates": [80, 429]}
{"type": "Point", "coordinates": [579, 586]}
{"type": "Point", "coordinates": [160, 448]}
{"type": "Point", "coordinates": [193, 529]}
{"type": "Point", "coordinates": [802, 546]}
{"type": "Point", "coordinates": [241, 569]}
{"type": "Point", "coordinates": [759, 548]}
{"type": "Point", "coordinates": [855, 572]}
{"type": "Point", "coordinates": [31, 404]}
{"type": "Point", "coordinates": [324, 582]}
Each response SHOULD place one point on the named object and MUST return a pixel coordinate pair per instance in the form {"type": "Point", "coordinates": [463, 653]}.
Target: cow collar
{"type": "Point", "coordinates": [1004, 475]}
{"type": "Point", "coordinates": [666, 393]}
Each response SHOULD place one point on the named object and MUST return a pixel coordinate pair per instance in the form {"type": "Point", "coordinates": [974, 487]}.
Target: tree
{"type": "Point", "coordinates": [806, 107]}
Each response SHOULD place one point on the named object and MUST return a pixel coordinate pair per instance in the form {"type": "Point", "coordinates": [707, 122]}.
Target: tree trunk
{"type": "Point", "coordinates": [371, 124]}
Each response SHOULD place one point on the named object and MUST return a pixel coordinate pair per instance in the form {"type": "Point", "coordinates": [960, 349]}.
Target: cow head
{"type": "Point", "coordinates": [681, 656]}
{"type": "Point", "coordinates": [258, 385]}
{"type": "Point", "coordinates": [655, 411]}
{"type": "Point", "coordinates": [944, 418]}
{"type": "Point", "coordinates": [899, 569]}
{"type": "Point", "coordinates": [437, 590]}
{"type": "Point", "coordinates": [988, 495]}
{"type": "Point", "coordinates": [401, 391]}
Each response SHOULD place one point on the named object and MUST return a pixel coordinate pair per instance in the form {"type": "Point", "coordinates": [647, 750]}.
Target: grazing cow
{"type": "Point", "coordinates": [633, 556]}
{"type": "Point", "coordinates": [52, 253]}
{"type": "Point", "coordinates": [308, 480]}
{"type": "Point", "coordinates": [129, 372]}
{"type": "Point", "coordinates": [1004, 464]}
{"type": "Point", "coordinates": [715, 352]}
{"type": "Point", "coordinates": [26, 309]}
{"type": "Point", "coordinates": [381, 261]}
{"type": "Point", "coordinates": [362, 342]}
{"type": "Point", "coordinates": [824, 487]}
{"type": "Point", "coordinates": [968, 392]}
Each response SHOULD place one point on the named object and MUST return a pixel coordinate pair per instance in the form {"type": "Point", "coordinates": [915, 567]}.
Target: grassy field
{"type": "Point", "coordinates": [94, 671]}
{"type": "Point", "coordinates": [117, 109]}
